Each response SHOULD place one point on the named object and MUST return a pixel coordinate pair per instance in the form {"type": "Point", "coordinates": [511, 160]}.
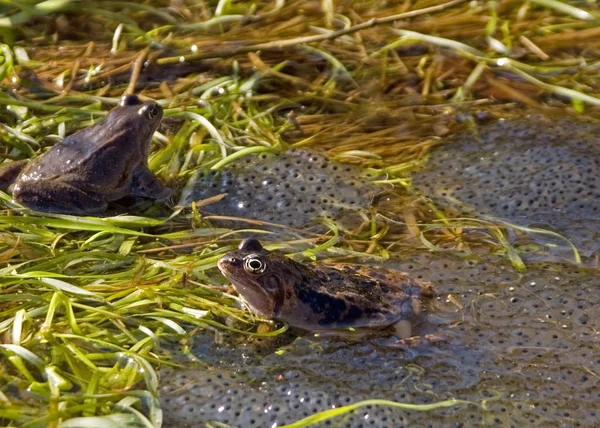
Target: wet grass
{"type": "Point", "coordinates": [91, 308]}
{"type": "Point", "coordinates": [328, 414]}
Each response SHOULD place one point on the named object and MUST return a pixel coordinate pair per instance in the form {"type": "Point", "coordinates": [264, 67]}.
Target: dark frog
{"type": "Point", "coordinates": [96, 165]}
{"type": "Point", "coordinates": [316, 297]}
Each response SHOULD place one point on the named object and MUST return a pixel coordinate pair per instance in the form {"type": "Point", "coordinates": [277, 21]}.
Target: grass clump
{"type": "Point", "coordinates": [92, 308]}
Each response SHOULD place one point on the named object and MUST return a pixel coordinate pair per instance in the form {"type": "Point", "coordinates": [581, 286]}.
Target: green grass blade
{"type": "Point", "coordinates": [332, 413]}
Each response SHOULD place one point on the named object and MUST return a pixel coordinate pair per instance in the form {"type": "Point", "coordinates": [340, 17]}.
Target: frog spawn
{"type": "Point", "coordinates": [528, 338]}
{"type": "Point", "coordinates": [532, 172]}
{"type": "Point", "coordinates": [226, 399]}
{"type": "Point", "coordinates": [241, 405]}
{"type": "Point", "coordinates": [293, 188]}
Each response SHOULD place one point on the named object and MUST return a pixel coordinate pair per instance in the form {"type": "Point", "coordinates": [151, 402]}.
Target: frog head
{"type": "Point", "coordinates": [259, 276]}
{"type": "Point", "coordinates": [133, 122]}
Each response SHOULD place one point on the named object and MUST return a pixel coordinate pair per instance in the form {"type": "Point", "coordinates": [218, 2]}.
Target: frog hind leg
{"type": "Point", "coordinates": [144, 183]}
{"type": "Point", "coordinates": [9, 173]}
{"type": "Point", "coordinates": [59, 198]}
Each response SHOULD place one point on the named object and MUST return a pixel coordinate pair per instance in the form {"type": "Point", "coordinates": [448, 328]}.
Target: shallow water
{"type": "Point", "coordinates": [526, 342]}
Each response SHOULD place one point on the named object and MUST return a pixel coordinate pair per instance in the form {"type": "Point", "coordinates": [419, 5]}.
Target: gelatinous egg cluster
{"type": "Point", "coordinates": [293, 188]}
{"type": "Point", "coordinates": [526, 342]}
{"type": "Point", "coordinates": [536, 171]}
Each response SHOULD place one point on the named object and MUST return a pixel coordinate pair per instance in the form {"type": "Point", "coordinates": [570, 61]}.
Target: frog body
{"type": "Point", "coordinates": [96, 165]}
{"type": "Point", "coordinates": [315, 297]}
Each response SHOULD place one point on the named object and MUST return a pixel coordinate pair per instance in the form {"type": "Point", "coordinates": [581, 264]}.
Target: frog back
{"type": "Point", "coordinates": [89, 159]}
{"type": "Point", "coordinates": [352, 296]}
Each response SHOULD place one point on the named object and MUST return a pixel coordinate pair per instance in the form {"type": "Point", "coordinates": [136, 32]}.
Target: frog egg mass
{"type": "Point", "coordinates": [292, 188]}
{"type": "Point", "coordinates": [536, 171]}
{"type": "Point", "coordinates": [192, 397]}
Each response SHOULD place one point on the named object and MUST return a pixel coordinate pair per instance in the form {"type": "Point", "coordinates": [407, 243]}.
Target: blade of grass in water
{"type": "Point", "coordinates": [332, 413]}
{"type": "Point", "coordinates": [73, 223]}
{"type": "Point", "coordinates": [110, 421]}
{"type": "Point", "coordinates": [238, 155]}
{"type": "Point", "coordinates": [567, 9]}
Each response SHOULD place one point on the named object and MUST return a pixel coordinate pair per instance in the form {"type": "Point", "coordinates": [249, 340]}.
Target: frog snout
{"type": "Point", "coordinates": [228, 262]}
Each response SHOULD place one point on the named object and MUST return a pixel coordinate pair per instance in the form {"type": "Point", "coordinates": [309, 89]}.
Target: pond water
{"type": "Point", "coordinates": [525, 343]}
{"type": "Point", "coordinates": [540, 171]}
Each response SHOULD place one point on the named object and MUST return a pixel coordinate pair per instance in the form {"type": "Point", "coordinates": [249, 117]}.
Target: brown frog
{"type": "Point", "coordinates": [94, 166]}
{"type": "Point", "coordinates": [317, 297]}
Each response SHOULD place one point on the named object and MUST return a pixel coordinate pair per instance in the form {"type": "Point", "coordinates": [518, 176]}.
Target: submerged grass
{"type": "Point", "coordinates": [328, 414]}
{"type": "Point", "coordinates": [91, 308]}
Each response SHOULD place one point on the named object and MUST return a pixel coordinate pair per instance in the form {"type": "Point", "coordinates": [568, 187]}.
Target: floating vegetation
{"type": "Point", "coordinates": [94, 310]}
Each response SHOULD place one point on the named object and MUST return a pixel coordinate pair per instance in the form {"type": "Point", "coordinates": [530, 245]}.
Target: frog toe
{"type": "Point", "coordinates": [165, 193]}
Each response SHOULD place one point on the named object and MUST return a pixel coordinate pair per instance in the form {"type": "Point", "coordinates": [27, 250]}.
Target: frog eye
{"type": "Point", "coordinates": [152, 111]}
{"type": "Point", "coordinates": [254, 264]}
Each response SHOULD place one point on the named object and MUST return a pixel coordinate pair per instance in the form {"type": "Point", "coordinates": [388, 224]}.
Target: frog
{"type": "Point", "coordinates": [102, 163]}
{"type": "Point", "coordinates": [318, 297]}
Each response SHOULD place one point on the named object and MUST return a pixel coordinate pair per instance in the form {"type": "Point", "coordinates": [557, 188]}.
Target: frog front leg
{"type": "Point", "coordinates": [57, 197]}
{"type": "Point", "coordinates": [144, 183]}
